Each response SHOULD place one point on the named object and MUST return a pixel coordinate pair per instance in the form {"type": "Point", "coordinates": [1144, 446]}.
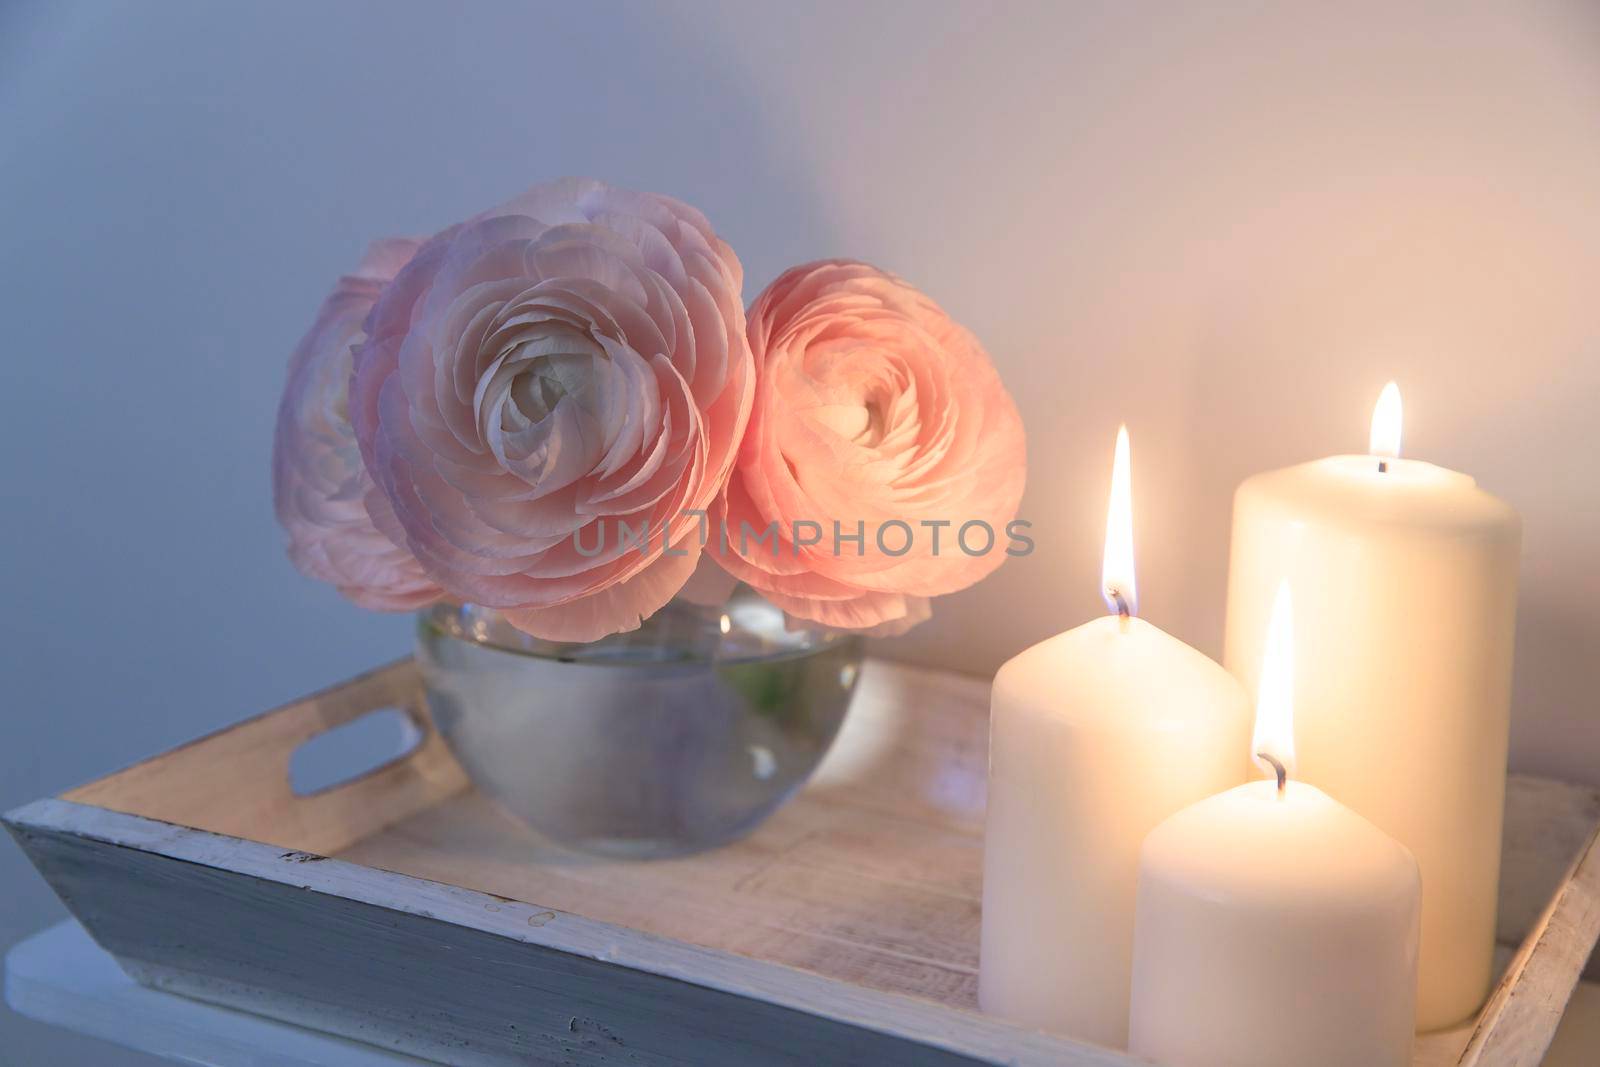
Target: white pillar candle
{"type": "Point", "coordinates": [1095, 736]}
{"type": "Point", "coordinates": [1405, 579]}
{"type": "Point", "coordinates": [1274, 924]}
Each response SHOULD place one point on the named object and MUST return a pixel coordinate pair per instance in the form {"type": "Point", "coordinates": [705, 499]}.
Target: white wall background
{"type": "Point", "coordinates": [1227, 224]}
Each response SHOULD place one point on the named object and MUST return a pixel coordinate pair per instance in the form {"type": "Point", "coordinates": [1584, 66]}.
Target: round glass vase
{"type": "Point", "coordinates": [676, 737]}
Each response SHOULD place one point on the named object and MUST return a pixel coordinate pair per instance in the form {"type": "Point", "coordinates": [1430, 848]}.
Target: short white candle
{"type": "Point", "coordinates": [1274, 924]}
{"type": "Point", "coordinates": [1095, 736]}
{"type": "Point", "coordinates": [1405, 578]}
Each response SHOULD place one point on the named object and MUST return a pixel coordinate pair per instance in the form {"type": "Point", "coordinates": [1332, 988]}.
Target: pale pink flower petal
{"type": "Point", "coordinates": [320, 487]}
{"type": "Point", "coordinates": [875, 614]}
{"type": "Point", "coordinates": [873, 407]}
{"type": "Point", "coordinates": [710, 585]}
{"type": "Point", "coordinates": [618, 609]}
{"type": "Point", "coordinates": [541, 374]}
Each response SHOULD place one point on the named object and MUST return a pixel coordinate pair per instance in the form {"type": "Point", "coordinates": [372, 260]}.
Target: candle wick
{"type": "Point", "coordinates": [1124, 611]}
{"type": "Point", "coordinates": [1383, 466]}
{"type": "Point", "coordinates": [1277, 765]}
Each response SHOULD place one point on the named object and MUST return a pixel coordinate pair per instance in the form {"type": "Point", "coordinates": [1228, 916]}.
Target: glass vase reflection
{"type": "Point", "coordinates": [676, 737]}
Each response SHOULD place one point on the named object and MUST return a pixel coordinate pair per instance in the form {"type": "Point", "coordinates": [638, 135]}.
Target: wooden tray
{"type": "Point", "coordinates": [845, 931]}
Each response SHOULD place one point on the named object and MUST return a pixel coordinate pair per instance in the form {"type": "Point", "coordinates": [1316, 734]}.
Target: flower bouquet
{"type": "Point", "coordinates": [643, 528]}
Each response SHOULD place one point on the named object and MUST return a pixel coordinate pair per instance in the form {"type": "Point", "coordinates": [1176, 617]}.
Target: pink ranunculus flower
{"type": "Point", "coordinates": [872, 407]}
{"type": "Point", "coordinates": [543, 373]}
{"type": "Point", "coordinates": [319, 485]}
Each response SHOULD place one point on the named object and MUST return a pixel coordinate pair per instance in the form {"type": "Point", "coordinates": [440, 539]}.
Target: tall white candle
{"type": "Point", "coordinates": [1095, 736]}
{"type": "Point", "coordinates": [1405, 579]}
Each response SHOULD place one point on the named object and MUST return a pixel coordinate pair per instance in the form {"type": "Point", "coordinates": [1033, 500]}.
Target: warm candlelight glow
{"type": "Point", "coordinates": [1116, 568]}
{"type": "Point", "coordinates": [1385, 438]}
{"type": "Point", "coordinates": [1404, 578]}
{"type": "Point", "coordinates": [1274, 733]}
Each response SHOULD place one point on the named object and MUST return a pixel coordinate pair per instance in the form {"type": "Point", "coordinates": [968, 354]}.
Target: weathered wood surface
{"type": "Point", "coordinates": [858, 903]}
{"type": "Point", "coordinates": [1516, 1026]}
{"type": "Point", "coordinates": [1547, 824]}
{"type": "Point", "coordinates": [59, 976]}
{"type": "Point", "coordinates": [1543, 947]}
{"type": "Point", "coordinates": [468, 978]}
{"type": "Point", "coordinates": [236, 781]}
{"type": "Point", "coordinates": [872, 876]}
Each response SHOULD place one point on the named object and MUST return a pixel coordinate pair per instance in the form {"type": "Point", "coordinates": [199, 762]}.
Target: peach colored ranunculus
{"type": "Point", "coordinates": [318, 482]}
{"type": "Point", "coordinates": [570, 361]}
{"type": "Point", "coordinates": [872, 408]}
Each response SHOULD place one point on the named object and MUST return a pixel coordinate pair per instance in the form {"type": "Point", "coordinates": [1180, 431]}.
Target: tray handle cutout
{"type": "Point", "coordinates": [241, 781]}
{"type": "Point", "coordinates": [352, 750]}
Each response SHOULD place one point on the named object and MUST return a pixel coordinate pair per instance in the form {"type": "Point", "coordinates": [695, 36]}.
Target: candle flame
{"type": "Point", "coordinates": [1116, 567]}
{"type": "Point", "coordinates": [1274, 732]}
{"type": "Point", "coordinates": [1385, 437]}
